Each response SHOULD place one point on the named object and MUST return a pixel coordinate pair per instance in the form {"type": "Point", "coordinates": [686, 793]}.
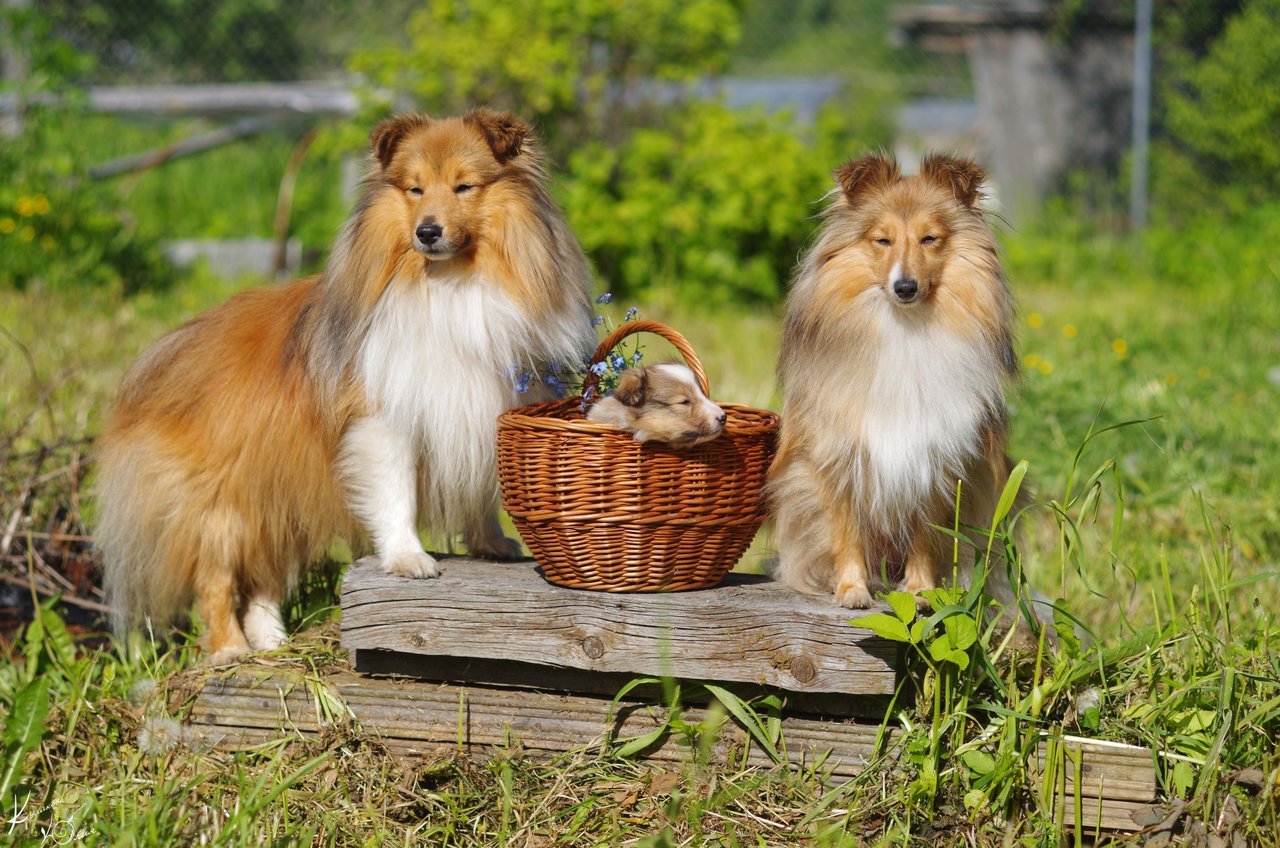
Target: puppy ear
{"type": "Point", "coordinates": [386, 136]}
{"type": "Point", "coordinates": [859, 176]}
{"type": "Point", "coordinates": [961, 177]}
{"type": "Point", "coordinates": [631, 388]}
{"type": "Point", "coordinates": [502, 130]}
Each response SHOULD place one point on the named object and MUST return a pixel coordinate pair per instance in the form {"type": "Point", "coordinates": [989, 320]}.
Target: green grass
{"type": "Point", "coordinates": [1160, 535]}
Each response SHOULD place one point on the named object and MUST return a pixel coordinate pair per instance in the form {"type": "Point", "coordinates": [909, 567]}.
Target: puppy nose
{"type": "Point", "coordinates": [905, 288]}
{"type": "Point", "coordinates": [724, 416]}
{"type": "Point", "coordinates": [429, 234]}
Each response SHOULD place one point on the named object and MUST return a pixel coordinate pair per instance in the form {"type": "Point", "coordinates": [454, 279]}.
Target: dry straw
{"type": "Point", "coordinates": [602, 511]}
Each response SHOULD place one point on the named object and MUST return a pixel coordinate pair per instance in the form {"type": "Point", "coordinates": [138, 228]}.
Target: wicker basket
{"type": "Point", "coordinates": [602, 511]}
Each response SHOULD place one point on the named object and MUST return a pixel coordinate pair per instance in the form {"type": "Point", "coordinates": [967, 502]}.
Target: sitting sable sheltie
{"type": "Point", "coordinates": [661, 403]}
{"type": "Point", "coordinates": [360, 403]}
{"type": "Point", "coordinates": [895, 350]}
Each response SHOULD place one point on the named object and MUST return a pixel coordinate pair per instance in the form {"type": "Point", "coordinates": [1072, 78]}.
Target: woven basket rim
{"type": "Point", "coordinates": [565, 415]}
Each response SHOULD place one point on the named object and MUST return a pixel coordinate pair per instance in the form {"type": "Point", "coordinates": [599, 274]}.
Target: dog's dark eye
{"type": "Point", "coordinates": [928, 239]}
{"type": "Point", "coordinates": [415, 190]}
{"type": "Point", "coordinates": [462, 188]}
{"type": "Point", "coordinates": [883, 242]}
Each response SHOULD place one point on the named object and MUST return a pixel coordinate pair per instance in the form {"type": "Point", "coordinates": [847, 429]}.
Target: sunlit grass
{"type": "Point", "coordinates": [1165, 389]}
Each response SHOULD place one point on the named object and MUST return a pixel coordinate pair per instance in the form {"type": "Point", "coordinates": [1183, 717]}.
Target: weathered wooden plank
{"type": "Point", "coordinates": [1110, 770]}
{"type": "Point", "coordinates": [1102, 814]}
{"type": "Point", "coordinates": [422, 719]}
{"type": "Point", "coordinates": [489, 672]}
{"type": "Point", "coordinates": [1111, 781]}
{"type": "Point", "coordinates": [750, 629]}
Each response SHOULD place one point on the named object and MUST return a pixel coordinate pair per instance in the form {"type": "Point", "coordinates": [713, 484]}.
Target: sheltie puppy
{"type": "Point", "coordinates": [895, 350]}
{"type": "Point", "coordinates": [661, 403]}
{"type": "Point", "coordinates": [361, 403]}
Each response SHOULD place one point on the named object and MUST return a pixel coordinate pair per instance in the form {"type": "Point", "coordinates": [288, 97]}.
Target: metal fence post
{"type": "Point", "coordinates": [1141, 114]}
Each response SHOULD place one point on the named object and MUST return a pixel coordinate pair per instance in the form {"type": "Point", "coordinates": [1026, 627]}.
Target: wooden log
{"type": "Point", "coordinates": [1112, 781]}
{"type": "Point", "coordinates": [748, 630]}
{"type": "Point", "coordinates": [488, 672]}
{"type": "Point", "coordinates": [418, 719]}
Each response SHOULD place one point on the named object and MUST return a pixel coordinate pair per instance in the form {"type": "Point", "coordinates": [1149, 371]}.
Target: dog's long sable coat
{"type": "Point", "coordinates": [895, 350]}
{"type": "Point", "coordinates": [360, 403]}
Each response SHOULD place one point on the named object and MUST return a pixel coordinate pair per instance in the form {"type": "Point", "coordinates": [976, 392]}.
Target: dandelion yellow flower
{"type": "Point", "coordinates": [24, 206]}
{"type": "Point", "coordinates": [7, 225]}
{"type": "Point", "coordinates": [1121, 349]}
{"type": "Point", "coordinates": [1070, 331]}
{"type": "Point", "coordinates": [1031, 360]}
{"type": "Point", "coordinates": [1046, 368]}
{"type": "Point", "coordinates": [27, 233]}
{"type": "Point", "coordinates": [46, 241]}
{"type": "Point", "coordinates": [1035, 320]}
{"type": "Point", "coordinates": [1171, 379]}
{"type": "Point", "coordinates": [1203, 372]}
{"type": "Point", "coordinates": [40, 204]}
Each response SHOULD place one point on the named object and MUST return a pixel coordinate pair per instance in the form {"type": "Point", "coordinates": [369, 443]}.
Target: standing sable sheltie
{"type": "Point", "coordinates": [362, 402]}
{"type": "Point", "coordinates": [895, 351]}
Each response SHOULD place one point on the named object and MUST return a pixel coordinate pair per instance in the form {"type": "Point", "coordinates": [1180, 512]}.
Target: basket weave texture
{"type": "Point", "coordinates": [602, 511]}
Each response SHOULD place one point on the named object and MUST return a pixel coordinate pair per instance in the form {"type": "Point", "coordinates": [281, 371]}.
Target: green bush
{"type": "Point", "coordinates": [715, 205]}
{"type": "Point", "coordinates": [60, 232]}
{"type": "Point", "coordinates": [1225, 110]}
{"type": "Point", "coordinates": [579, 69]}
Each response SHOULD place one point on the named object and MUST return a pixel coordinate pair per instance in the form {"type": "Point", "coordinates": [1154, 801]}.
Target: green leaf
{"type": "Point", "coordinates": [903, 604]}
{"type": "Point", "coordinates": [747, 717]}
{"type": "Point", "coordinates": [884, 626]}
{"type": "Point", "coordinates": [23, 730]}
{"type": "Point", "coordinates": [962, 630]}
{"type": "Point", "coordinates": [979, 762]}
{"type": "Point", "coordinates": [1010, 493]}
{"type": "Point", "coordinates": [636, 744]}
{"type": "Point", "coordinates": [57, 640]}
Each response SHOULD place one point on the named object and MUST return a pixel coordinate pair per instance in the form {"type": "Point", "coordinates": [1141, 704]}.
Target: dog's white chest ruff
{"type": "Point", "coordinates": [929, 395]}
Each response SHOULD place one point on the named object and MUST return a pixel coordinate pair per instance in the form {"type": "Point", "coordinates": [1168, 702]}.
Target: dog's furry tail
{"type": "Point", "coordinates": [147, 552]}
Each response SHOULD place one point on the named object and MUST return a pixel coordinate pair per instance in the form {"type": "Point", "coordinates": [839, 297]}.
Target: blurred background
{"type": "Point", "coordinates": [691, 140]}
{"type": "Point", "coordinates": [158, 154]}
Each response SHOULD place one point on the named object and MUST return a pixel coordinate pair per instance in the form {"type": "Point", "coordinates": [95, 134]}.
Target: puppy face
{"type": "Point", "coordinates": [442, 171]}
{"type": "Point", "coordinates": [661, 403]}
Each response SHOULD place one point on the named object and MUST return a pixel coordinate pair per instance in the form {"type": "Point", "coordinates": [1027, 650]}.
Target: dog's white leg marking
{"type": "Point", "coordinates": [263, 623]}
{"type": "Point", "coordinates": [379, 466]}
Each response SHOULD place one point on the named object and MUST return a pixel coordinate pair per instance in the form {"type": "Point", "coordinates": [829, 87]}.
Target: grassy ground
{"type": "Point", "coordinates": [1147, 411]}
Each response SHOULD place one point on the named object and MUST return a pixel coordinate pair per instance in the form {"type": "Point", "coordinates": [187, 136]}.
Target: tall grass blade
{"type": "Point", "coordinates": [23, 730]}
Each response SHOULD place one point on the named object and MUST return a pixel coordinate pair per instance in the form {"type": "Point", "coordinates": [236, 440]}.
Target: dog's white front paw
{"type": "Point", "coordinates": [263, 625]}
{"type": "Point", "coordinates": [227, 656]}
{"type": "Point", "coordinates": [495, 547]}
{"type": "Point", "coordinates": [411, 564]}
{"type": "Point", "coordinates": [853, 595]}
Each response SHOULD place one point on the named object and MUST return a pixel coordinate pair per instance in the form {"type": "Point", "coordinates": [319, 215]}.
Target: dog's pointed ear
{"type": "Point", "coordinates": [386, 136]}
{"type": "Point", "coordinates": [859, 176]}
{"type": "Point", "coordinates": [630, 390]}
{"type": "Point", "coordinates": [962, 177]}
{"type": "Point", "coordinates": [502, 130]}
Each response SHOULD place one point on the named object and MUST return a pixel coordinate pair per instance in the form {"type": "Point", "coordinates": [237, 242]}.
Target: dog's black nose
{"type": "Point", "coordinates": [429, 234]}
{"type": "Point", "coordinates": [905, 288]}
{"type": "Point", "coordinates": [724, 416]}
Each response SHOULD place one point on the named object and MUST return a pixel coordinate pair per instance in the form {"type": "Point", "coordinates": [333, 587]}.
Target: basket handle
{"type": "Point", "coordinates": [679, 342]}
